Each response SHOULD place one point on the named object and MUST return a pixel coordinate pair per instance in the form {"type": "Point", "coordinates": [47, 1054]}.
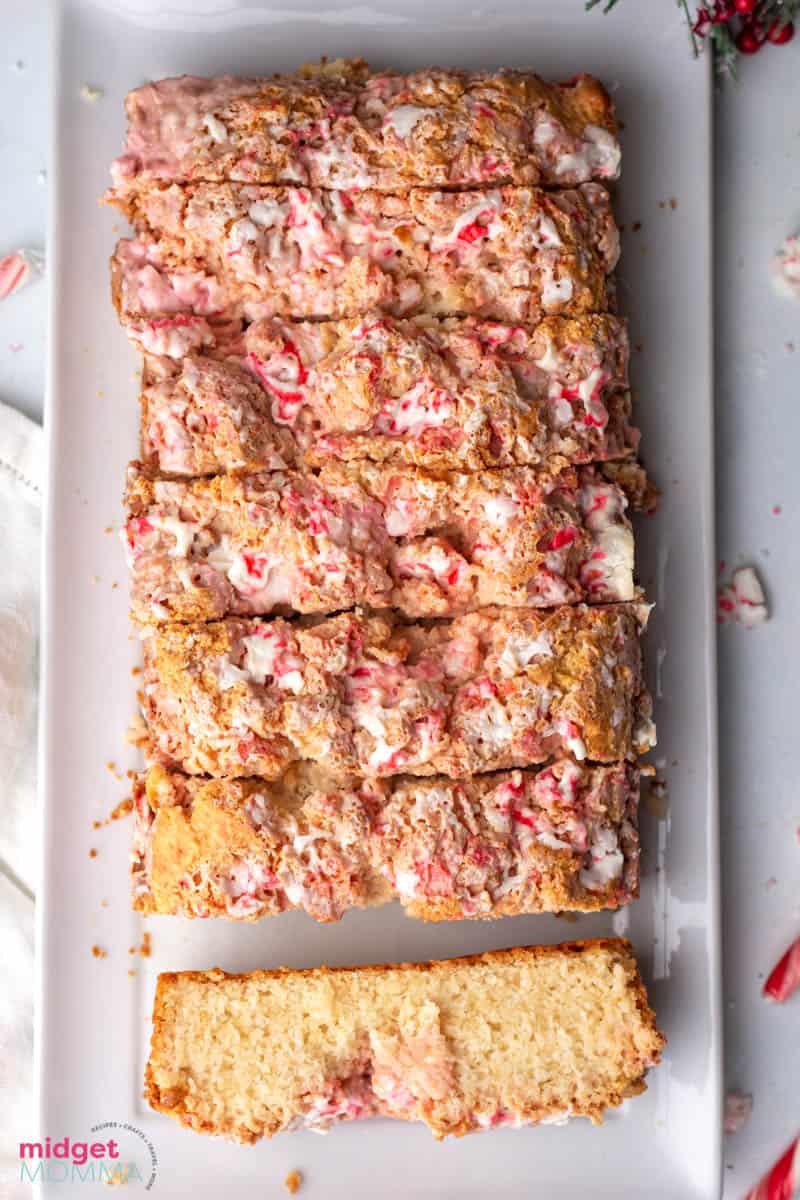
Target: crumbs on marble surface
{"type": "Point", "coordinates": [136, 734]}
{"type": "Point", "coordinates": [671, 203]}
{"type": "Point", "coordinates": [567, 916]}
{"type": "Point", "coordinates": [91, 93]}
{"type": "Point", "coordinates": [293, 1182]}
{"type": "Point", "coordinates": [637, 225]}
{"type": "Point", "coordinates": [776, 510]}
{"type": "Point", "coordinates": [738, 1108]}
{"type": "Point", "coordinates": [99, 952]}
{"type": "Point", "coordinates": [112, 767]}
{"type": "Point", "coordinates": [131, 972]}
{"type": "Point", "coordinates": [786, 268]}
{"type": "Point", "coordinates": [108, 529]}
{"type": "Point", "coordinates": [742, 600]}
{"type": "Point", "coordinates": [655, 798]}
{"type": "Point", "coordinates": [123, 808]}
{"type": "Point", "coordinates": [146, 948]}
{"type": "Point", "coordinates": [17, 270]}
{"type": "Point", "coordinates": [92, 853]}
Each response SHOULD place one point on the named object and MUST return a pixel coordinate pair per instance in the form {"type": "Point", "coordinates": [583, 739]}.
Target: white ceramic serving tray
{"type": "Point", "coordinates": [93, 1016]}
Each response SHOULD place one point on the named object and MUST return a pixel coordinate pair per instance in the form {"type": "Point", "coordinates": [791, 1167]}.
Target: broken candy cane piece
{"type": "Point", "coordinates": [738, 1108]}
{"type": "Point", "coordinates": [783, 1180]}
{"type": "Point", "coordinates": [786, 268]}
{"type": "Point", "coordinates": [742, 599]}
{"type": "Point", "coordinates": [18, 269]}
{"type": "Point", "coordinates": [785, 977]}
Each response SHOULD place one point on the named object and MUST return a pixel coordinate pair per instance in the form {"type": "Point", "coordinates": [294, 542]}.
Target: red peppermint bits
{"type": "Point", "coordinates": [473, 232]}
{"type": "Point", "coordinates": [255, 565]}
{"type": "Point", "coordinates": [785, 977]}
{"type": "Point", "coordinates": [781, 1182]}
{"type": "Point", "coordinates": [561, 538]}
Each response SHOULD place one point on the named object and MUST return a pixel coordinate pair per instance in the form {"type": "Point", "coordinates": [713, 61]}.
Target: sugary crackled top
{"type": "Point", "coordinates": [563, 837]}
{"type": "Point", "coordinates": [428, 545]}
{"type": "Point", "coordinates": [491, 690]}
{"type": "Point", "coordinates": [337, 125]}
{"type": "Point", "coordinates": [223, 250]}
{"type": "Point", "coordinates": [450, 394]}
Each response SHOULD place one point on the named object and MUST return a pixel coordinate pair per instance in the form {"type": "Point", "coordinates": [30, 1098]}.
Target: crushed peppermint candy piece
{"type": "Point", "coordinates": [738, 1109]}
{"type": "Point", "coordinates": [781, 1183]}
{"type": "Point", "coordinates": [18, 269]}
{"type": "Point", "coordinates": [786, 268]}
{"type": "Point", "coordinates": [785, 977]}
{"type": "Point", "coordinates": [742, 599]}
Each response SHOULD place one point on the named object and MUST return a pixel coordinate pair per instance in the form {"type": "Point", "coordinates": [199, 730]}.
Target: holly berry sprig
{"type": "Point", "coordinates": [733, 27]}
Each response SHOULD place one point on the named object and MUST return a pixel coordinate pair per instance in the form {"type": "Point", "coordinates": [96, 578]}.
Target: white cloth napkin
{"type": "Point", "coordinates": [21, 468]}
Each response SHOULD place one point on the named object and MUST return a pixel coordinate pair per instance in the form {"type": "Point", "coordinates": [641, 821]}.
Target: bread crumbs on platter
{"type": "Point", "coordinates": [99, 952]}
{"type": "Point", "coordinates": [293, 1182]}
{"type": "Point", "coordinates": [146, 948]}
{"type": "Point", "coordinates": [655, 798]}
{"type": "Point", "coordinates": [738, 1109]}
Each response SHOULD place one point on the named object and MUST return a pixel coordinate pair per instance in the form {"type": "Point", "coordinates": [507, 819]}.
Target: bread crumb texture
{"type": "Point", "coordinates": [512, 1037]}
{"type": "Point", "coordinates": [293, 1182]}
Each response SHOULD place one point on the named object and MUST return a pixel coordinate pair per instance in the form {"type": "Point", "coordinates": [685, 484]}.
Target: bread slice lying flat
{"type": "Point", "coordinates": [513, 1037]}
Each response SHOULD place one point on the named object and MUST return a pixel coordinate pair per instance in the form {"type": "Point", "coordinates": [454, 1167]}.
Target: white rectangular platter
{"type": "Point", "coordinates": [93, 1026]}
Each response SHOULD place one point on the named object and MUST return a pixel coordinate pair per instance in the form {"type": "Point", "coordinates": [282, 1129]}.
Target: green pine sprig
{"type": "Point", "coordinates": [721, 35]}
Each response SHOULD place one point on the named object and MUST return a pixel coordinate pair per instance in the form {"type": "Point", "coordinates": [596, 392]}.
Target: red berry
{"type": "Point", "coordinates": [779, 34]}
{"type": "Point", "coordinates": [748, 42]}
{"type": "Point", "coordinates": [744, 6]}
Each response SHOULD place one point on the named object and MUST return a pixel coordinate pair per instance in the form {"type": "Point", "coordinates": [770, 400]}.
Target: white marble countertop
{"type": "Point", "coordinates": [757, 407]}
